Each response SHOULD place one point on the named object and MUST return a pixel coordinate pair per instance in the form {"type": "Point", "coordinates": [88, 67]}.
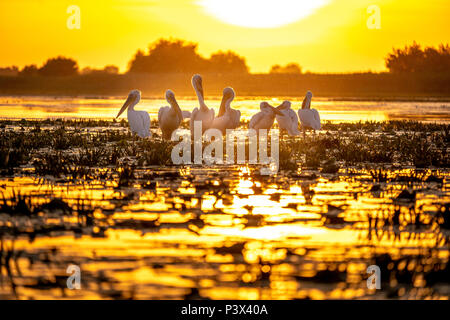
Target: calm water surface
{"type": "Point", "coordinates": [225, 232]}
{"type": "Point", "coordinates": [334, 111]}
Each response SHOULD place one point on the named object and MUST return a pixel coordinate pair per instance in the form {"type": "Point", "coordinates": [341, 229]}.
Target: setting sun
{"type": "Point", "coordinates": [261, 13]}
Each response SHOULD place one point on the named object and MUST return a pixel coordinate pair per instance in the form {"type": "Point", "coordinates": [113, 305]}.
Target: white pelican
{"type": "Point", "coordinates": [227, 118]}
{"type": "Point", "coordinates": [139, 120]}
{"type": "Point", "coordinates": [170, 118]}
{"type": "Point", "coordinates": [309, 118]}
{"type": "Point", "coordinates": [265, 118]}
{"type": "Point", "coordinates": [289, 120]}
{"type": "Point", "coordinates": [205, 115]}
{"type": "Point", "coordinates": [186, 114]}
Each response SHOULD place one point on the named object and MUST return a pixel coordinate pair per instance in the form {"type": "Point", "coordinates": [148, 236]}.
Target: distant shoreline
{"type": "Point", "coordinates": [445, 99]}
{"type": "Point", "coordinates": [337, 87]}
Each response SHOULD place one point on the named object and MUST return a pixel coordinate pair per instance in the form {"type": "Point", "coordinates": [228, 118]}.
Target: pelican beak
{"type": "Point", "coordinates": [222, 106]}
{"type": "Point", "coordinates": [265, 105]}
{"type": "Point", "coordinates": [278, 112]}
{"type": "Point", "coordinates": [200, 88]}
{"type": "Point", "coordinates": [228, 94]}
{"type": "Point", "coordinates": [227, 97]}
{"type": "Point", "coordinates": [280, 107]}
{"type": "Point", "coordinates": [170, 97]}
{"type": "Point", "coordinates": [305, 103]}
{"type": "Point", "coordinates": [125, 105]}
{"type": "Point", "coordinates": [197, 82]}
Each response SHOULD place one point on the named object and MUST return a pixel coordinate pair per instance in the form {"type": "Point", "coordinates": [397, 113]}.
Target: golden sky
{"type": "Point", "coordinates": [332, 38]}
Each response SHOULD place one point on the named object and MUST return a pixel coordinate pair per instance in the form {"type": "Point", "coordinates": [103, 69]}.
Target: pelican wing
{"type": "Point", "coordinates": [303, 115]}
{"type": "Point", "coordinates": [222, 108]}
{"type": "Point", "coordinates": [294, 123]}
{"type": "Point", "coordinates": [283, 121]}
{"type": "Point", "coordinates": [137, 122]}
{"type": "Point", "coordinates": [209, 119]}
{"type": "Point", "coordinates": [194, 114]}
{"type": "Point", "coordinates": [293, 116]}
{"type": "Point", "coordinates": [145, 124]}
{"type": "Point", "coordinates": [235, 119]}
{"type": "Point", "coordinates": [316, 117]}
{"type": "Point", "coordinates": [222, 123]}
{"type": "Point", "coordinates": [309, 118]}
{"type": "Point", "coordinates": [161, 112]}
{"type": "Point", "coordinates": [255, 120]}
{"type": "Point", "coordinates": [162, 121]}
{"type": "Point", "coordinates": [205, 116]}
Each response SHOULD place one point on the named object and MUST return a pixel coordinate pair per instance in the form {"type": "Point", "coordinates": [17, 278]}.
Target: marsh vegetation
{"type": "Point", "coordinates": [89, 193]}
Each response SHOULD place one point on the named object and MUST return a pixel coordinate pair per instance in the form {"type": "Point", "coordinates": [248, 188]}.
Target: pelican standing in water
{"type": "Point", "coordinates": [170, 118]}
{"type": "Point", "coordinates": [205, 115]}
{"type": "Point", "coordinates": [309, 118]}
{"type": "Point", "coordinates": [227, 118]}
{"type": "Point", "coordinates": [265, 118]}
{"type": "Point", "coordinates": [139, 120]}
{"type": "Point", "coordinates": [289, 120]}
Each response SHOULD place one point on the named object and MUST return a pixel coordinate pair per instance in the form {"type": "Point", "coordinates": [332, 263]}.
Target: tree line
{"type": "Point", "coordinates": [179, 56]}
{"type": "Point", "coordinates": [415, 59]}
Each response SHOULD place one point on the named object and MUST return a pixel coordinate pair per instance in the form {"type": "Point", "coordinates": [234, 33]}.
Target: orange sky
{"type": "Point", "coordinates": [333, 38]}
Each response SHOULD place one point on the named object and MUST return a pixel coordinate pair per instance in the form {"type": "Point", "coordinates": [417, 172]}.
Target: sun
{"type": "Point", "coordinates": [261, 13]}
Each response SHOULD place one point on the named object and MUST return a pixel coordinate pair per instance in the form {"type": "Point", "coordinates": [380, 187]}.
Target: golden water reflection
{"type": "Point", "coordinates": [227, 234]}
{"type": "Point", "coordinates": [18, 107]}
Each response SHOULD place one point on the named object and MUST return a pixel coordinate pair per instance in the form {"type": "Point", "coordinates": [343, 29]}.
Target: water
{"type": "Point", "coordinates": [330, 110]}
{"type": "Point", "coordinates": [248, 238]}
{"type": "Point", "coordinates": [219, 232]}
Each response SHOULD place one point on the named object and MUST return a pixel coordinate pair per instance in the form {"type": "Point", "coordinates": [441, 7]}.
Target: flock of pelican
{"type": "Point", "coordinates": [171, 117]}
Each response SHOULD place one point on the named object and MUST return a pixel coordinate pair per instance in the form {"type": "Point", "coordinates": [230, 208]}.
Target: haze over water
{"type": "Point", "coordinates": [345, 198]}
{"type": "Point", "coordinates": [15, 107]}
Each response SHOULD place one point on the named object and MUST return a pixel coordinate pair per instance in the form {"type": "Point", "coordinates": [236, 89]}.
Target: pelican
{"type": "Point", "coordinates": [265, 118]}
{"type": "Point", "coordinates": [170, 118]}
{"type": "Point", "coordinates": [227, 118]}
{"type": "Point", "coordinates": [289, 120]}
{"type": "Point", "coordinates": [186, 114]}
{"type": "Point", "coordinates": [309, 118]}
{"type": "Point", "coordinates": [139, 120]}
{"type": "Point", "coordinates": [205, 115]}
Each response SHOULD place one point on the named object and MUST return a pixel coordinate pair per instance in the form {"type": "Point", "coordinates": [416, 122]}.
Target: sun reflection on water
{"type": "Point", "coordinates": [225, 232]}
{"type": "Point", "coordinates": [239, 238]}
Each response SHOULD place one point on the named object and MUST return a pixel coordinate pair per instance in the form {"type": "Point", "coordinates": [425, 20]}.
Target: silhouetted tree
{"type": "Point", "coordinates": [109, 69]}
{"type": "Point", "coordinates": [9, 71]}
{"type": "Point", "coordinates": [168, 56]}
{"type": "Point", "coordinates": [59, 66]}
{"type": "Point", "coordinates": [227, 62]}
{"type": "Point", "coordinates": [292, 68]}
{"type": "Point", "coordinates": [29, 70]}
{"type": "Point", "coordinates": [414, 59]}
{"type": "Point", "coordinates": [182, 57]}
